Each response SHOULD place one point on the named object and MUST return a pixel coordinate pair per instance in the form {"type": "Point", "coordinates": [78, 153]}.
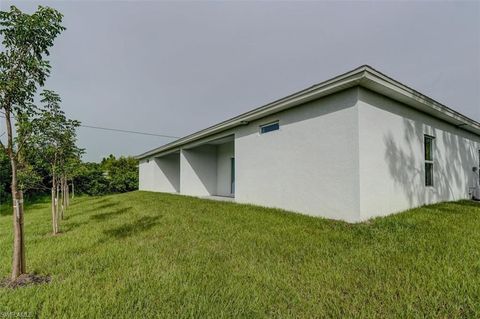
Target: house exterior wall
{"type": "Point", "coordinates": [146, 171]}
{"type": "Point", "coordinates": [161, 174]}
{"type": "Point", "coordinates": [224, 154]}
{"type": "Point", "coordinates": [391, 156]}
{"type": "Point", "coordinates": [309, 165]}
{"type": "Point", "coordinates": [351, 156]}
{"type": "Point", "coordinates": [198, 171]}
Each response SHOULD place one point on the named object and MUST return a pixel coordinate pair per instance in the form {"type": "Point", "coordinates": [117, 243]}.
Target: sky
{"type": "Point", "coordinates": [174, 68]}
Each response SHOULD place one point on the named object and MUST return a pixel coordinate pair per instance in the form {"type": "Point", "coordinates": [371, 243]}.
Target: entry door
{"type": "Point", "coordinates": [232, 175]}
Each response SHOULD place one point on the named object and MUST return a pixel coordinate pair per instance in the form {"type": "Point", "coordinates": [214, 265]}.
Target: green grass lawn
{"type": "Point", "coordinates": [147, 255]}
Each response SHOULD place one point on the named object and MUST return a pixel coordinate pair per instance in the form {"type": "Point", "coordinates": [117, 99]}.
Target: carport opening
{"type": "Point", "coordinates": [214, 166]}
{"type": "Point", "coordinates": [169, 166]}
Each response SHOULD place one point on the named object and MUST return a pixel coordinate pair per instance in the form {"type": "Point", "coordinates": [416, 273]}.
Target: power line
{"type": "Point", "coordinates": [122, 131]}
{"type": "Point", "coordinates": [127, 131]}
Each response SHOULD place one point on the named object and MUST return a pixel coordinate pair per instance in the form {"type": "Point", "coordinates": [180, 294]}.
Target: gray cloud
{"type": "Point", "coordinates": [174, 68]}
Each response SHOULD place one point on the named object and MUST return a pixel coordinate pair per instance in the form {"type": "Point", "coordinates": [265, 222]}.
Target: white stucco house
{"type": "Point", "coordinates": [353, 147]}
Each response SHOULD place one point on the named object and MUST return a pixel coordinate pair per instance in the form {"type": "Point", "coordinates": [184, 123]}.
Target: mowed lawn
{"type": "Point", "coordinates": [148, 255]}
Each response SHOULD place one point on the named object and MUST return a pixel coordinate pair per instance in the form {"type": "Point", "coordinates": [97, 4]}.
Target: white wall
{"type": "Point", "coordinates": [350, 156]}
{"type": "Point", "coordinates": [224, 154]}
{"type": "Point", "coordinates": [392, 157]}
{"type": "Point", "coordinates": [310, 165]}
{"type": "Point", "coordinates": [160, 174]}
{"type": "Point", "coordinates": [198, 171]}
{"type": "Point", "coordinates": [145, 170]}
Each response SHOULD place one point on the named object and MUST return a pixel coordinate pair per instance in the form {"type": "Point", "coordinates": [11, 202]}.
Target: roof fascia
{"type": "Point", "coordinates": [336, 84]}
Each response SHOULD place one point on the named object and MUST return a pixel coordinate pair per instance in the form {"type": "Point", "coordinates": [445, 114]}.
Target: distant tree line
{"type": "Point", "coordinates": [111, 175]}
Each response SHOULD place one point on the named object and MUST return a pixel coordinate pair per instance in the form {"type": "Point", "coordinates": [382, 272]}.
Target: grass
{"type": "Point", "coordinates": [147, 255]}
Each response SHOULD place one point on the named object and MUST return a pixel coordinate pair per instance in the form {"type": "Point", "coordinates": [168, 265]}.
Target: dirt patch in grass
{"type": "Point", "coordinates": [25, 280]}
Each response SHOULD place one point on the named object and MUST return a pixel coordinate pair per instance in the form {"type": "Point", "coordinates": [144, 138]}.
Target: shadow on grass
{"type": "Point", "coordinates": [455, 208]}
{"type": "Point", "coordinates": [102, 207]}
{"type": "Point", "coordinates": [82, 199]}
{"type": "Point", "coordinates": [71, 226]}
{"type": "Point", "coordinates": [104, 216]}
{"type": "Point", "coordinates": [468, 203]}
{"type": "Point", "coordinates": [94, 208]}
{"type": "Point", "coordinates": [140, 225]}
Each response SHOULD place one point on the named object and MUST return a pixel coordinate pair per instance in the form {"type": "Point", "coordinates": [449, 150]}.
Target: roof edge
{"type": "Point", "coordinates": [374, 75]}
{"type": "Point", "coordinates": [275, 106]}
{"type": "Point", "coordinates": [364, 75]}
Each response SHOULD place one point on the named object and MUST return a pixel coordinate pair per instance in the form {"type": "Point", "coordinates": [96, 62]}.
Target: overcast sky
{"type": "Point", "coordinates": [174, 68]}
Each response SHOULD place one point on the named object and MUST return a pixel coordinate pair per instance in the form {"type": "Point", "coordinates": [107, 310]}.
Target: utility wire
{"type": "Point", "coordinates": [121, 131]}
{"type": "Point", "coordinates": [127, 131]}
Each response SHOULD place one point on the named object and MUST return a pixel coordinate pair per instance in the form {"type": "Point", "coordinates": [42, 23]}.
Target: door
{"type": "Point", "coordinates": [232, 176]}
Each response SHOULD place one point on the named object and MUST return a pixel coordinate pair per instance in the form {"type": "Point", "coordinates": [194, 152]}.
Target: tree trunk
{"type": "Point", "coordinates": [57, 206]}
{"type": "Point", "coordinates": [73, 190]}
{"type": "Point", "coordinates": [62, 196]}
{"type": "Point", "coordinates": [67, 193]}
{"type": "Point", "coordinates": [54, 228]}
{"type": "Point", "coordinates": [18, 264]}
{"type": "Point", "coordinates": [54, 200]}
{"type": "Point", "coordinates": [22, 233]}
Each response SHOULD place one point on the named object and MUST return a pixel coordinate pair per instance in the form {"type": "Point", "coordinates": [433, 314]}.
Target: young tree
{"type": "Point", "coordinates": [54, 141]}
{"type": "Point", "coordinates": [68, 155]}
{"type": "Point", "coordinates": [23, 67]}
{"type": "Point", "coordinates": [72, 166]}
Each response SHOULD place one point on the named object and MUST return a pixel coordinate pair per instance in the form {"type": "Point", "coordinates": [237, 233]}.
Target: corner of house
{"type": "Point", "coordinates": [357, 155]}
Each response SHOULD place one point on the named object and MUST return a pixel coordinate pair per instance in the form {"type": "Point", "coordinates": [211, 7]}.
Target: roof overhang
{"type": "Point", "coordinates": [364, 76]}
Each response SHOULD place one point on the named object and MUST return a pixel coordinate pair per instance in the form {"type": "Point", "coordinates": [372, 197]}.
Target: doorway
{"type": "Point", "coordinates": [232, 176]}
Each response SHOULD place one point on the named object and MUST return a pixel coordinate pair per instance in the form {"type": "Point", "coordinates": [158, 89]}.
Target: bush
{"type": "Point", "coordinates": [90, 180]}
{"type": "Point", "coordinates": [121, 173]}
{"type": "Point", "coordinates": [110, 176]}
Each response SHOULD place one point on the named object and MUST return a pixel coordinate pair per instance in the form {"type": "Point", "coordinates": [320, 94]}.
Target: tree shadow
{"type": "Point", "coordinates": [468, 203]}
{"type": "Point", "coordinates": [80, 200]}
{"type": "Point", "coordinates": [93, 209]}
{"type": "Point", "coordinates": [104, 216]}
{"type": "Point", "coordinates": [71, 226]}
{"type": "Point", "coordinates": [140, 225]}
{"type": "Point", "coordinates": [454, 157]}
{"type": "Point", "coordinates": [457, 208]}
{"type": "Point", "coordinates": [455, 152]}
{"type": "Point", "coordinates": [103, 207]}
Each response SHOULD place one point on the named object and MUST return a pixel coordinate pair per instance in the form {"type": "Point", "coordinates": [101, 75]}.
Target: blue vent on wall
{"type": "Point", "coordinates": [269, 127]}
